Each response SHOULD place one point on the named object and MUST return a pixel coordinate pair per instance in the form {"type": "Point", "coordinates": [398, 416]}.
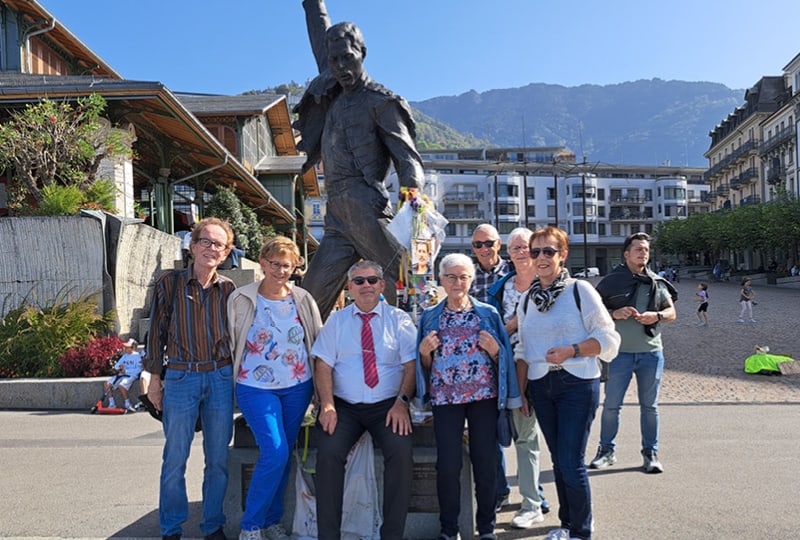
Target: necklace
{"type": "Point", "coordinates": [465, 306]}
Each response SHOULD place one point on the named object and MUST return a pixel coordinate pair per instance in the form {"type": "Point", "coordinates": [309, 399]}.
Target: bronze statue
{"type": "Point", "coordinates": [358, 128]}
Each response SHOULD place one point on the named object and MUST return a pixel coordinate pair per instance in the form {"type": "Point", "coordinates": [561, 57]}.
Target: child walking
{"type": "Point", "coordinates": [746, 296]}
{"type": "Point", "coordinates": [702, 309]}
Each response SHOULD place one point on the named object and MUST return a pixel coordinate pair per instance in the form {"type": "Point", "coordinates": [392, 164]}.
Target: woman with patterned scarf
{"type": "Point", "coordinates": [560, 342]}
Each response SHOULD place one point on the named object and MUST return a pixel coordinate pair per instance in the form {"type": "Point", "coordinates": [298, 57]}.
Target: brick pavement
{"type": "Point", "coordinates": [706, 364]}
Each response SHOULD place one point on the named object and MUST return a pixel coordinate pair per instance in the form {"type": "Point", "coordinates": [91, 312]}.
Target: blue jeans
{"type": "Point", "coordinates": [448, 428]}
{"type": "Point", "coordinates": [188, 394]}
{"type": "Point", "coordinates": [649, 370]}
{"type": "Point", "coordinates": [565, 407]}
{"type": "Point", "coordinates": [274, 417]}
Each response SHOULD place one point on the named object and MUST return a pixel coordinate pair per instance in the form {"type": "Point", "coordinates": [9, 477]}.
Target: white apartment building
{"type": "Point", "coordinates": [536, 187]}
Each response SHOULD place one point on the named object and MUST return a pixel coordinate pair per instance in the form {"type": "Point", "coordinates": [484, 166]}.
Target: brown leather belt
{"type": "Point", "coordinates": [199, 367]}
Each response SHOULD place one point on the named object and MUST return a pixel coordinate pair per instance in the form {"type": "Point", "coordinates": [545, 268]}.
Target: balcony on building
{"type": "Point", "coordinates": [776, 175]}
{"type": "Point", "coordinates": [627, 213]}
{"type": "Point", "coordinates": [750, 147]}
{"type": "Point", "coordinates": [708, 196]}
{"type": "Point", "coordinates": [750, 199]}
{"type": "Point", "coordinates": [723, 190]}
{"type": "Point", "coordinates": [781, 136]}
{"type": "Point", "coordinates": [465, 215]}
{"type": "Point", "coordinates": [464, 196]}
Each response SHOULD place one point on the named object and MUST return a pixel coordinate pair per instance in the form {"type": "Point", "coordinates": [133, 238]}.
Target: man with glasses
{"type": "Point", "coordinates": [189, 338]}
{"type": "Point", "coordinates": [365, 385]}
{"type": "Point", "coordinates": [638, 301]}
{"type": "Point", "coordinates": [490, 267]}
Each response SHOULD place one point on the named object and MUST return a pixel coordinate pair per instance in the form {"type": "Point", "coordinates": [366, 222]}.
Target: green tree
{"type": "Point", "coordinates": [250, 233]}
{"type": "Point", "coordinates": [54, 143]}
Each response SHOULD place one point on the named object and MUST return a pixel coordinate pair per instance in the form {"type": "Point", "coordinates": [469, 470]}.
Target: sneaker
{"type": "Point", "coordinates": [741, 321]}
{"type": "Point", "coordinates": [545, 507]}
{"type": "Point", "coordinates": [752, 320]}
{"type": "Point", "coordinates": [443, 536]}
{"type": "Point", "coordinates": [112, 404]}
{"type": "Point", "coordinates": [250, 535]}
{"type": "Point", "coordinates": [275, 532]}
{"type": "Point", "coordinates": [524, 519]}
{"type": "Point", "coordinates": [502, 501]}
{"type": "Point", "coordinates": [701, 324]}
{"type": "Point", "coordinates": [487, 536]}
{"type": "Point", "coordinates": [557, 534]}
{"type": "Point", "coordinates": [604, 458]}
{"type": "Point", "coordinates": [651, 463]}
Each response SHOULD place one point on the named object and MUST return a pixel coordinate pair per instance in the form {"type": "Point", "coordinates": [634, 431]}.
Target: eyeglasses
{"type": "Point", "coordinates": [517, 249]}
{"type": "Point", "coordinates": [485, 243]}
{"type": "Point", "coordinates": [280, 266]}
{"type": "Point", "coordinates": [452, 278]}
{"type": "Point", "coordinates": [372, 280]}
{"type": "Point", "coordinates": [206, 243]}
{"type": "Point", "coordinates": [548, 252]}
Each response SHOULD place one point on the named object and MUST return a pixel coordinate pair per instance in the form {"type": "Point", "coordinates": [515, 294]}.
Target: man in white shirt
{"type": "Point", "coordinates": [365, 387]}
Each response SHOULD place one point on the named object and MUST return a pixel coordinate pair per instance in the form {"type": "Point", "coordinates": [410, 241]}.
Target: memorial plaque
{"type": "Point", "coordinates": [423, 489]}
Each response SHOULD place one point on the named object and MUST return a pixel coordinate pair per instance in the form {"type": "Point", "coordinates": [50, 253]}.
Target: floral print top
{"type": "Point", "coordinates": [275, 356]}
{"type": "Point", "coordinates": [461, 371]}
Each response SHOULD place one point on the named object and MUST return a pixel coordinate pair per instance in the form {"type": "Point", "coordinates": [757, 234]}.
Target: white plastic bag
{"type": "Point", "coordinates": [361, 515]}
{"type": "Point", "coordinates": [305, 507]}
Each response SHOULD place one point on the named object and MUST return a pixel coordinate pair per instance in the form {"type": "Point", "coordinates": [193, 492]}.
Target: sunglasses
{"type": "Point", "coordinates": [485, 243]}
{"type": "Point", "coordinates": [548, 252]}
{"type": "Point", "coordinates": [372, 280]}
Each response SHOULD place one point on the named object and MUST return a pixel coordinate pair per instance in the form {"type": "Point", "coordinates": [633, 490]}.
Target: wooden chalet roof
{"type": "Point", "coordinates": [168, 134]}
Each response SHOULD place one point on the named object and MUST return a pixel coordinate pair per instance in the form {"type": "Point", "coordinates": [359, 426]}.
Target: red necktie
{"type": "Point", "coordinates": [368, 350]}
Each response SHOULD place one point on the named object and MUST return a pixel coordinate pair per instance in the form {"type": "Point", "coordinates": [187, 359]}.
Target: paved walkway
{"type": "Point", "coordinates": [729, 447]}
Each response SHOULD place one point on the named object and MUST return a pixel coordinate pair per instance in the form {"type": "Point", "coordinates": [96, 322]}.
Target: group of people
{"type": "Point", "coordinates": [533, 346]}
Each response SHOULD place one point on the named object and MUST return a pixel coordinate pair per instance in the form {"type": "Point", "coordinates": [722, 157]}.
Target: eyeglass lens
{"type": "Point", "coordinates": [548, 252]}
{"type": "Point", "coordinates": [372, 280]}
{"type": "Point", "coordinates": [486, 243]}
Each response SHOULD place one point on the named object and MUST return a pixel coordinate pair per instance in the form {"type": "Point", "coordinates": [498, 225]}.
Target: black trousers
{"type": "Point", "coordinates": [332, 450]}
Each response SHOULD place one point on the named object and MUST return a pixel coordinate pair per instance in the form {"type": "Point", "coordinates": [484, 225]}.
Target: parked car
{"type": "Point", "coordinates": [592, 271]}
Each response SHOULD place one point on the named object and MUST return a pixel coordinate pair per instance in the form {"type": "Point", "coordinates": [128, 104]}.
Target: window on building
{"type": "Point", "coordinates": [508, 190]}
{"type": "Point", "coordinates": [601, 194]}
{"type": "Point", "coordinates": [531, 210]}
{"type": "Point", "coordinates": [648, 194]}
{"type": "Point", "coordinates": [551, 210]}
{"type": "Point", "coordinates": [450, 229]}
{"type": "Point", "coordinates": [591, 227]}
{"type": "Point", "coordinates": [616, 229]}
{"type": "Point", "coordinates": [601, 229]}
{"type": "Point", "coordinates": [505, 227]}
{"type": "Point", "coordinates": [508, 209]}
{"type": "Point", "coordinates": [674, 193]}
{"type": "Point", "coordinates": [551, 194]}
{"type": "Point", "coordinates": [531, 192]}
{"type": "Point", "coordinates": [601, 211]}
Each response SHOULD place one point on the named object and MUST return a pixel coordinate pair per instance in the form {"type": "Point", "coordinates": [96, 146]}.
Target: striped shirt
{"type": "Point", "coordinates": [195, 328]}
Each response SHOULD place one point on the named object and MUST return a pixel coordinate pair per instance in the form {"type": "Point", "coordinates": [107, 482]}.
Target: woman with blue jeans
{"type": "Point", "coordinates": [273, 326]}
{"type": "Point", "coordinates": [465, 368]}
{"type": "Point", "coordinates": [560, 341]}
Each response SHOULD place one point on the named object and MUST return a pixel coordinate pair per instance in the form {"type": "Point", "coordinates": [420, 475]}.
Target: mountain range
{"type": "Point", "coordinates": [645, 122]}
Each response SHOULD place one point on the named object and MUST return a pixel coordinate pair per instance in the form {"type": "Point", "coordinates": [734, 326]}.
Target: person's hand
{"type": "Point", "coordinates": [156, 394]}
{"type": "Point", "coordinates": [512, 325]}
{"type": "Point", "coordinates": [428, 344]}
{"type": "Point", "coordinates": [489, 344]}
{"type": "Point", "coordinates": [624, 312]}
{"type": "Point", "coordinates": [646, 318]}
{"type": "Point", "coordinates": [525, 409]}
{"type": "Point", "coordinates": [557, 355]}
{"type": "Point", "coordinates": [399, 419]}
{"type": "Point", "coordinates": [327, 418]}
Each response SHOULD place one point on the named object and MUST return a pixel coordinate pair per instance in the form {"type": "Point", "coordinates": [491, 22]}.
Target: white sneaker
{"type": "Point", "coordinates": [558, 534]}
{"type": "Point", "coordinates": [275, 532]}
{"type": "Point", "coordinates": [524, 519]}
{"type": "Point", "coordinates": [250, 535]}
{"type": "Point", "coordinates": [741, 321]}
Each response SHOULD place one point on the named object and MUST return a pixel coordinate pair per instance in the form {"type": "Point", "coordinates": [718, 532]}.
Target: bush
{"type": "Point", "coordinates": [93, 359]}
{"type": "Point", "coordinates": [32, 338]}
{"type": "Point", "coordinates": [60, 200]}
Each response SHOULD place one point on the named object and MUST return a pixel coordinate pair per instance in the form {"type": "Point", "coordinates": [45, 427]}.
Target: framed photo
{"type": "Point", "coordinates": [421, 257]}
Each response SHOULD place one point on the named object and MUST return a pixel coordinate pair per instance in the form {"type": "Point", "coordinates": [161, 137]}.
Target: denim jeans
{"type": "Point", "coordinates": [188, 394]}
{"type": "Point", "coordinates": [274, 417]}
{"type": "Point", "coordinates": [649, 369]}
{"type": "Point", "coordinates": [565, 408]}
{"type": "Point", "coordinates": [448, 428]}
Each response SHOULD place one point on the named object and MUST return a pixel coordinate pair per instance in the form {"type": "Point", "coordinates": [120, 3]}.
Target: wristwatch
{"type": "Point", "coordinates": [660, 316]}
{"type": "Point", "coordinates": [403, 398]}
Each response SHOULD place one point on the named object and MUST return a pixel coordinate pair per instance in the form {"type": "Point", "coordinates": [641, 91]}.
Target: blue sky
{"type": "Point", "coordinates": [433, 48]}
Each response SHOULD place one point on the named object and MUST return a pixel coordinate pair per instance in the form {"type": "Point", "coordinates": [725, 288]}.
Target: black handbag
{"type": "Point", "coordinates": [506, 429]}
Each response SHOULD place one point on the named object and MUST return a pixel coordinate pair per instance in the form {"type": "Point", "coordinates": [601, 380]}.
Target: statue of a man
{"type": "Point", "coordinates": [358, 128]}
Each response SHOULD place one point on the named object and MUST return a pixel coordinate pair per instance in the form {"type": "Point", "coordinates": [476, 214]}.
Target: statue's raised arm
{"type": "Point", "coordinates": [317, 23]}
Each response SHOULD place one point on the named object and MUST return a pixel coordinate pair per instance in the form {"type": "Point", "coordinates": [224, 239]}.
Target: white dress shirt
{"type": "Point", "coordinates": [339, 345]}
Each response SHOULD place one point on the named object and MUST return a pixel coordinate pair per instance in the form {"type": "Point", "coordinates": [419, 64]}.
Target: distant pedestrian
{"type": "Point", "coordinates": [702, 309]}
{"type": "Point", "coordinates": [746, 296]}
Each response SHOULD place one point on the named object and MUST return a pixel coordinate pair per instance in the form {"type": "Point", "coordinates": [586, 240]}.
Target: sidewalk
{"type": "Point", "coordinates": [729, 445]}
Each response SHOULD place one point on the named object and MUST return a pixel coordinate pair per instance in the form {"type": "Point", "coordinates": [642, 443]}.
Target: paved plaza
{"type": "Point", "coordinates": [729, 445]}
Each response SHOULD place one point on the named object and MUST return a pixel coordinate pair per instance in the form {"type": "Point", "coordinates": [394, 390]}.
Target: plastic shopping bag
{"type": "Point", "coordinates": [305, 506]}
{"type": "Point", "coordinates": [361, 515]}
